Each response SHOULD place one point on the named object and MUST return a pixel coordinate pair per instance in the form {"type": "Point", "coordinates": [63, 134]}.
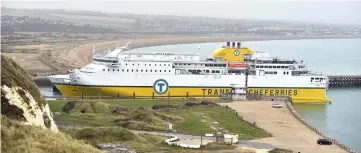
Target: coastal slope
{"type": "Point", "coordinates": [27, 124]}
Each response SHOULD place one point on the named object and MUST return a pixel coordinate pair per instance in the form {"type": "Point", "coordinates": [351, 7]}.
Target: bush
{"type": "Point", "coordinates": [157, 107]}
{"type": "Point", "coordinates": [207, 103]}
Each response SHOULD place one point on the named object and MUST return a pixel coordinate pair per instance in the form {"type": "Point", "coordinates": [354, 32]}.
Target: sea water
{"type": "Point", "coordinates": [341, 119]}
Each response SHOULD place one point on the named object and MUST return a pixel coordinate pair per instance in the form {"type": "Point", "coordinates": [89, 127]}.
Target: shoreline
{"type": "Point", "coordinates": [80, 55]}
{"type": "Point", "coordinates": [310, 126]}
{"type": "Point", "coordinates": [217, 39]}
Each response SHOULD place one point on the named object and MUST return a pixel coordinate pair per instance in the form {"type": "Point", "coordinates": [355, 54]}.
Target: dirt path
{"type": "Point", "coordinates": [288, 132]}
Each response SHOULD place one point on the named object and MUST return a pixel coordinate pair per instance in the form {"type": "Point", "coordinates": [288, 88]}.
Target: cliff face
{"type": "Point", "coordinates": [21, 99]}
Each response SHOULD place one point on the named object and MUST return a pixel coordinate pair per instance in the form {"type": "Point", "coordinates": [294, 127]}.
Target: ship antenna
{"type": "Point", "coordinates": [93, 49]}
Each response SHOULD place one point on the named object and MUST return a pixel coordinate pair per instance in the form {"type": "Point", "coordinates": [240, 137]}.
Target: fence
{"type": "Point", "coordinates": [221, 97]}
{"type": "Point", "coordinates": [268, 98]}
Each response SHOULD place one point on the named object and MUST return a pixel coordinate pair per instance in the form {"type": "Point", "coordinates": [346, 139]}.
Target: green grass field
{"type": "Point", "coordinates": [57, 105]}
{"type": "Point", "coordinates": [196, 120]}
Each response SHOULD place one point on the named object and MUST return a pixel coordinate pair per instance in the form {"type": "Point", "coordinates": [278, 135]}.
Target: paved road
{"type": "Point", "coordinates": [241, 143]}
{"type": "Point", "coordinates": [287, 131]}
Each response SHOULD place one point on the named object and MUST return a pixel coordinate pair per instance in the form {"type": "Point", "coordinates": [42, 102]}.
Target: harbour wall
{"type": "Point", "coordinates": [338, 81]}
{"type": "Point", "coordinates": [334, 141]}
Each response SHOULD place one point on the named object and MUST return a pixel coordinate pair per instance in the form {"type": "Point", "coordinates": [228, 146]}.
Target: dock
{"type": "Point", "coordinates": [341, 81]}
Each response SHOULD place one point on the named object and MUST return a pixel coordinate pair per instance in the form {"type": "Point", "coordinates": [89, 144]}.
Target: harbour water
{"type": "Point", "coordinates": [342, 118]}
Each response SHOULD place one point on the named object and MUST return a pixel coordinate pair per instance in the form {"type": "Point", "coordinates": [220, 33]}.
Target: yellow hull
{"type": "Point", "coordinates": [298, 95]}
{"type": "Point", "coordinates": [70, 91]}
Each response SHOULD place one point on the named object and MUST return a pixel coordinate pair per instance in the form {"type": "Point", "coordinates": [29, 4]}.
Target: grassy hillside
{"type": "Point", "coordinates": [101, 114]}
{"type": "Point", "coordinates": [19, 138]}
{"type": "Point", "coordinates": [137, 114]}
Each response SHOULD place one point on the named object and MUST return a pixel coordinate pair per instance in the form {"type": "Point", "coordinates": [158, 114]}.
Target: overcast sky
{"type": "Point", "coordinates": [322, 11]}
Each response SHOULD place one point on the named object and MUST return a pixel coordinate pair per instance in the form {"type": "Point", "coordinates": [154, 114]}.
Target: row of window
{"type": "Point", "coordinates": [207, 65]}
{"type": "Point", "coordinates": [136, 70]}
{"type": "Point", "coordinates": [149, 64]}
{"type": "Point", "coordinates": [107, 61]}
{"type": "Point", "coordinates": [317, 79]}
{"type": "Point", "coordinates": [206, 71]}
{"type": "Point", "coordinates": [268, 66]}
{"type": "Point", "coordinates": [271, 72]}
{"type": "Point", "coordinates": [270, 61]}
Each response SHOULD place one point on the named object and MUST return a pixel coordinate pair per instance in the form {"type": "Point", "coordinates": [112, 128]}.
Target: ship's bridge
{"type": "Point", "coordinates": [232, 52]}
{"type": "Point", "coordinates": [105, 59]}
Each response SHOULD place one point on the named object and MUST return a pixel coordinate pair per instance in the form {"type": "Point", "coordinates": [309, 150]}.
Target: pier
{"type": "Point", "coordinates": [340, 81]}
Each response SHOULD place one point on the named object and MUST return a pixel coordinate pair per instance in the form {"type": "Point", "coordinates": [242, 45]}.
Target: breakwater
{"type": "Point", "coordinates": [338, 81]}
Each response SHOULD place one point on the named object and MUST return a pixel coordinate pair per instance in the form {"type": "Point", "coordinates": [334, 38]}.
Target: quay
{"type": "Point", "coordinates": [339, 81]}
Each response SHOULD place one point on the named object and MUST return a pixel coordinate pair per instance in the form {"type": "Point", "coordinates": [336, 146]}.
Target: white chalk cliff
{"type": "Point", "coordinates": [21, 100]}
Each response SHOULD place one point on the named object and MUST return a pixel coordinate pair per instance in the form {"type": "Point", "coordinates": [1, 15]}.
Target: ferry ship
{"type": "Point", "coordinates": [120, 73]}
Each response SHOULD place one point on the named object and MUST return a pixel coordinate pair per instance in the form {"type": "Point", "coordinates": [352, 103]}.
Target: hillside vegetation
{"type": "Point", "coordinates": [19, 138]}
{"type": "Point", "coordinates": [27, 124]}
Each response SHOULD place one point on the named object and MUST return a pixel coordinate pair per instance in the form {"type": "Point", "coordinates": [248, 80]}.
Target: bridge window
{"type": "Point", "coordinates": [127, 70]}
{"type": "Point", "coordinates": [141, 70]}
{"type": "Point", "coordinates": [108, 70]}
{"type": "Point", "coordinates": [160, 70]}
{"type": "Point", "coordinates": [169, 70]}
{"type": "Point", "coordinates": [118, 70]}
{"type": "Point", "coordinates": [155, 70]}
{"type": "Point", "coordinates": [146, 70]}
{"type": "Point", "coordinates": [103, 69]}
{"type": "Point", "coordinates": [132, 70]}
{"type": "Point", "coordinates": [150, 70]}
{"type": "Point", "coordinates": [149, 64]}
{"type": "Point", "coordinates": [136, 70]}
{"type": "Point", "coordinates": [155, 65]}
{"type": "Point", "coordinates": [113, 70]}
{"type": "Point", "coordinates": [126, 63]}
{"type": "Point", "coordinates": [122, 70]}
